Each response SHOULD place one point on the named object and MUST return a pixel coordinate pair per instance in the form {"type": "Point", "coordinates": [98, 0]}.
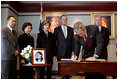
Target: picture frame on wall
{"type": "Point", "coordinates": [108, 21]}
{"type": "Point", "coordinates": [54, 18]}
{"type": "Point", "coordinates": [39, 56]}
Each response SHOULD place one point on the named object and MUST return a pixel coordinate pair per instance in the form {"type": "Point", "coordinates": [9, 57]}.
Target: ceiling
{"type": "Point", "coordinates": [51, 6]}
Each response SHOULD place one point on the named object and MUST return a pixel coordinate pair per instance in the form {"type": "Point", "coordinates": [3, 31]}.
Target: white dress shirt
{"type": "Point", "coordinates": [99, 28]}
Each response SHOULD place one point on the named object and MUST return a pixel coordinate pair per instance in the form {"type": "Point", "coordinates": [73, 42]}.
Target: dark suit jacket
{"type": "Point", "coordinates": [64, 46]}
{"type": "Point", "coordinates": [105, 35]}
{"type": "Point", "coordinates": [46, 42]}
{"type": "Point", "coordinates": [95, 39]}
{"type": "Point", "coordinates": [9, 44]}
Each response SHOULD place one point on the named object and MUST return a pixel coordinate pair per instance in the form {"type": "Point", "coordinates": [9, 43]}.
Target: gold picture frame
{"type": "Point", "coordinates": [54, 18]}
{"type": "Point", "coordinates": [108, 20]}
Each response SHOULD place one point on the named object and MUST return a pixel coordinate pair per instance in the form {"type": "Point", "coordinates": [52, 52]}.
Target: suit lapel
{"type": "Point", "coordinates": [89, 37]}
{"type": "Point", "coordinates": [11, 34]}
{"type": "Point", "coordinates": [45, 35]}
{"type": "Point", "coordinates": [83, 42]}
{"type": "Point", "coordinates": [102, 30]}
{"type": "Point", "coordinates": [61, 32]}
{"type": "Point", "coordinates": [67, 32]}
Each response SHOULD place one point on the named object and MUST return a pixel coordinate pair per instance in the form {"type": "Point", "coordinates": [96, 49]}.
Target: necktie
{"type": "Point", "coordinates": [87, 41]}
{"type": "Point", "coordinates": [13, 32]}
{"type": "Point", "coordinates": [64, 31]}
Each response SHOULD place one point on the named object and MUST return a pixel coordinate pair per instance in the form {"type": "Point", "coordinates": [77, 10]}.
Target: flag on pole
{"type": "Point", "coordinates": [41, 19]}
{"type": "Point", "coordinates": [116, 46]}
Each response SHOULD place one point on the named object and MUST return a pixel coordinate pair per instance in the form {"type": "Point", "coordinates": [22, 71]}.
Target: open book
{"type": "Point", "coordinates": [66, 59]}
{"type": "Point", "coordinates": [93, 60]}
{"type": "Point", "coordinates": [96, 60]}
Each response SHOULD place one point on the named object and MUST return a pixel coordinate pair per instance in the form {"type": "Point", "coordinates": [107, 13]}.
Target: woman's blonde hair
{"type": "Point", "coordinates": [45, 22]}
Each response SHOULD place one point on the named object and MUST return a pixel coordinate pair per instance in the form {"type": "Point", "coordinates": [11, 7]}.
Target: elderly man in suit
{"type": "Point", "coordinates": [9, 49]}
{"type": "Point", "coordinates": [92, 42]}
{"type": "Point", "coordinates": [64, 39]}
{"type": "Point", "coordinates": [105, 34]}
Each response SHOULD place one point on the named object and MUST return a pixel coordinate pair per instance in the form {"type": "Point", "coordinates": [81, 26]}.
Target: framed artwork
{"type": "Point", "coordinates": [108, 21]}
{"type": "Point", "coordinates": [54, 18]}
{"type": "Point", "coordinates": [38, 56]}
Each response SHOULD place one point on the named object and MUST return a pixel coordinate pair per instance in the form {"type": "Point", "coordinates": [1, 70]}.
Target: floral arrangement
{"type": "Point", "coordinates": [26, 53]}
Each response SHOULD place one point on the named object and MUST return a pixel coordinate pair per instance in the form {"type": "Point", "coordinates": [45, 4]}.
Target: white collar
{"type": "Point", "coordinates": [86, 34]}
{"type": "Point", "coordinates": [9, 27]}
{"type": "Point", "coordinates": [99, 28]}
{"type": "Point", "coordinates": [63, 26]}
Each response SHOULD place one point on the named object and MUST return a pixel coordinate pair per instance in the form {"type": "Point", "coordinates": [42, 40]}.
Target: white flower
{"type": "Point", "coordinates": [30, 48]}
{"type": "Point", "coordinates": [27, 55]}
{"type": "Point", "coordinates": [25, 49]}
{"type": "Point", "coordinates": [30, 51]}
{"type": "Point", "coordinates": [22, 53]}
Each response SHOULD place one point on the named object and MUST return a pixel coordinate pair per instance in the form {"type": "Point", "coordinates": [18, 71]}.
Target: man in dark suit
{"type": "Point", "coordinates": [9, 49]}
{"type": "Point", "coordinates": [92, 42]}
{"type": "Point", "coordinates": [64, 39]}
{"type": "Point", "coordinates": [88, 37]}
{"type": "Point", "coordinates": [105, 34]}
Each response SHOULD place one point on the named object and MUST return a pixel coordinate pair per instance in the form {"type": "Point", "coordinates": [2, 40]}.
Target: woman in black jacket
{"type": "Point", "coordinates": [24, 40]}
{"type": "Point", "coordinates": [46, 40]}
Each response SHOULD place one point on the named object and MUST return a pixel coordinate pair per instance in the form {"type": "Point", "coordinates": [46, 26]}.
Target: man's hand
{"type": "Point", "coordinates": [91, 58]}
{"type": "Point", "coordinates": [74, 57]}
{"type": "Point", "coordinates": [72, 53]}
{"type": "Point", "coordinates": [16, 52]}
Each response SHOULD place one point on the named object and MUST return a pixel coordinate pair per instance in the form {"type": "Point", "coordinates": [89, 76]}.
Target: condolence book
{"type": "Point", "coordinates": [97, 60]}
{"type": "Point", "coordinates": [93, 60]}
{"type": "Point", "coordinates": [66, 59]}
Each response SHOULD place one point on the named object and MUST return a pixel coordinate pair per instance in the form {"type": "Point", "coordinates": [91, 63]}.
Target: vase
{"type": "Point", "coordinates": [29, 63]}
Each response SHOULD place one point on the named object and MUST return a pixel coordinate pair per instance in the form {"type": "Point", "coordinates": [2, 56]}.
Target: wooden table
{"type": "Point", "coordinates": [72, 68]}
{"type": "Point", "coordinates": [36, 68]}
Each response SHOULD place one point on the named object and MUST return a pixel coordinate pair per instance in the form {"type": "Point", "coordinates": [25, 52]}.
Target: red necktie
{"type": "Point", "coordinates": [87, 41]}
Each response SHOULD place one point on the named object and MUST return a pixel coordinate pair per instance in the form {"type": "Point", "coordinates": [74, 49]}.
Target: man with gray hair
{"type": "Point", "coordinates": [105, 34]}
{"type": "Point", "coordinates": [90, 38]}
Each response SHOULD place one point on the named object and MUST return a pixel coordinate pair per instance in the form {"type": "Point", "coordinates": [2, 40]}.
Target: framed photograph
{"type": "Point", "coordinates": [38, 56]}
{"type": "Point", "coordinates": [54, 18]}
{"type": "Point", "coordinates": [108, 21]}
